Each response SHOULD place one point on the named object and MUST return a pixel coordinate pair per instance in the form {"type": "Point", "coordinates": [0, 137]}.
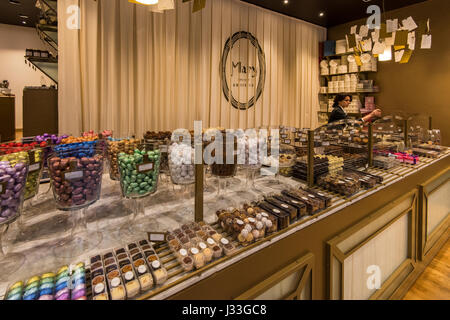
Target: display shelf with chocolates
{"type": "Point", "coordinates": [193, 252]}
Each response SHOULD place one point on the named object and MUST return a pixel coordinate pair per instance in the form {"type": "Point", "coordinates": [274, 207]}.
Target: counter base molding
{"type": "Point", "coordinates": [434, 218]}
{"type": "Point", "coordinates": [294, 282]}
{"type": "Point", "coordinates": [371, 259]}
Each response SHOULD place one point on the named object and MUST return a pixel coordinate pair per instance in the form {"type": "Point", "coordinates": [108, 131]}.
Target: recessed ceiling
{"type": "Point", "coordinates": [335, 12]}
{"type": "Point", "coordinates": [10, 13]}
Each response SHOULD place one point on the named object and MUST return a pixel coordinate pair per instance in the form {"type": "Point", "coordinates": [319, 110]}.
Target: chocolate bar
{"type": "Point", "coordinates": [281, 215]}
{"type": "Point", "coordinates": [293, 212]}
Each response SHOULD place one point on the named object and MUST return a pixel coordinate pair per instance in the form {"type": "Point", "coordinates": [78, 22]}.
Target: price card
{"type": "Point", "coordinates": [74, 174]}
{"type": "Point", "coordinates": [34, 167]}
{"type": "Point", "coordinates": [163, 148]}
{"type": "Point", "coordinates": [325, 143]}
{"type": "Point", "coordinates": [284, 136]}
{"type": "Point", "coordinates": [288, 141]}
{"type": "Point", "coordinates": [146, 166]}
{"type": "Point", "coordinates": [303, 140]}
{"type": "Point", "coordinates": [157, 237]}
{"type": "Point", "coordinates": [294, 130]}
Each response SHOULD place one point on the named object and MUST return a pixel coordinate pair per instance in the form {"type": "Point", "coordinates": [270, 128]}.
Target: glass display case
{"type": "Point", "coordinates": [135, 239]}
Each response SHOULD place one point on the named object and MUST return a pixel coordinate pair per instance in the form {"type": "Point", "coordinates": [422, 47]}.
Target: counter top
{"type": "Point", "coordinates": [167, 212]}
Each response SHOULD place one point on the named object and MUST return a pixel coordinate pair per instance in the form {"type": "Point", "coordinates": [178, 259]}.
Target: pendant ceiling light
{"type": "Point", "coordinates": [144, 2]}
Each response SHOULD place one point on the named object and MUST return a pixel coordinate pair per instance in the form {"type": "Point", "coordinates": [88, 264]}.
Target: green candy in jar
{"type": "Point", "coordinates": [139, 173]}
{"type": "Point", "coordinates": [34, 174]}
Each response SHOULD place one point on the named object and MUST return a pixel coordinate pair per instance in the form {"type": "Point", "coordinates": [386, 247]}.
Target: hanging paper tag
{"type": "Point", "coordinates": [146, 166]}
{"type": "Point", "coordinates": [74, 174]}
{"type": "Point", "coordinates": [157, 237]}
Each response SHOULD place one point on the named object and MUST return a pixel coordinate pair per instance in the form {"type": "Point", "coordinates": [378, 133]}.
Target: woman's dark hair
{"type": "Point", "coordinates": [341, 97]}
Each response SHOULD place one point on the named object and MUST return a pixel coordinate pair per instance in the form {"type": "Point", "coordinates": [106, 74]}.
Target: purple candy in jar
{"type": "Point", "coordinates": [8, 194]}
{"type": "Point", "coordinates": [78, 294]}
{"type": "Point", "coordinates": [7, 213]}
{"type": "Point", "coordinates": [18, 187]}
{"type": "Point", "coordinates": [64, 296]}
{"type": "Point", "coordinates": [11, 183]}
{"type": "Point", "coordinates": [19, 166]}
{"type": "Point", "coordinates": [10, 171]}
{"type": "Point", "coordinates": [6, 202]}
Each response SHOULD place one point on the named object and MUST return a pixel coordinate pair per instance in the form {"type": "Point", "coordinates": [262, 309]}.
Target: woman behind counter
{"type": "Point", "coordinates": [343, 101]}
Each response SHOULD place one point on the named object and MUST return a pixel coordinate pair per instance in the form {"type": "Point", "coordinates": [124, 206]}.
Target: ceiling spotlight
{"type": "Point", "coordinates": [321, 14]}
{"type": "Point", "coordinates": [285, 1]}
{"type": "Point", "coordinates": [24, 22]}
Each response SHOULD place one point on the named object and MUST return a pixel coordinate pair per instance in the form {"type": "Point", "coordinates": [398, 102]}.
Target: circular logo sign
{"type": "Point", "coordinates": [243, 70]}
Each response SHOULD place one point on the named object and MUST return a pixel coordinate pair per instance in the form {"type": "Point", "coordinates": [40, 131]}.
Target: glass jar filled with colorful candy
{"type": "Point", "coordinates": [76, 174]}
{"type": "Point", "coordinates": [116, 147]}
{"type": "Point", "coordinates": [139, 171]}
{"type": "Point", "coordinates": [35, 154]}
{"type": "Point", "coordinates": [13, 177]}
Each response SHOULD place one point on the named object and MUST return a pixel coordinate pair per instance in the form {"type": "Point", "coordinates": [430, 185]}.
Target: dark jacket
{"type": "Point", "coordinates": [337, 114]}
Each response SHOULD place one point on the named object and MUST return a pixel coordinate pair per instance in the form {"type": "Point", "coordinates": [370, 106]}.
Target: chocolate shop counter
{"type": "Point", "coordinates": [271, 238]}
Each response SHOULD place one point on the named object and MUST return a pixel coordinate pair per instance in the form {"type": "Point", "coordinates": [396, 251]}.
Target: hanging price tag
{"type": "Point", "coordinates": [34, 166]}
{"type": "Point", "coordinates": [74, 174]}
{"type": "Point", "coordinates": [146, 166]}
{"type": "Point", "coordinates": [284, 136]}
{"type": "Point", "coordinates": [288, 141]}
{"type": "Point", "coordinates": [157, 237]}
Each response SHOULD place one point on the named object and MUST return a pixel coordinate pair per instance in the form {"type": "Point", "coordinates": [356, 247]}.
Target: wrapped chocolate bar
{"type": "Point", "coordinates": [340, 184]}
{"type": "Point", "coordinates": [281, 215]}
{"type": "Point", "coordinates": [300, 206]}
{"type": "Point", "coordinates": [293, 212]}
{"type": "Point", "coordinates": [312, 205]}
{"type": "Point", "coordinates": [321, 196]}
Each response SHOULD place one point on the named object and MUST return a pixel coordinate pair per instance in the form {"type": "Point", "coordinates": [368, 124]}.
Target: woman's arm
{"type": "Point", "coordinates": [375, 114]}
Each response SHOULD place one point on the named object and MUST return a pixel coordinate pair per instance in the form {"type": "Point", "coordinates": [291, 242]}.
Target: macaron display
{"type": "Point", "coordinates": [139, 172]}
{"type": "Point", "coordinates": [76, 174]}
{"type": "Point", "coordinates": [79, 282]}
{"type": "Point", "coordinates": [13, 177]}
{"type": "Point", "coordinates": [47, 287]}
{"type": "Point", "coordinates": [15, 292]}
{"type": "Point", "coordinates": [181, 163]}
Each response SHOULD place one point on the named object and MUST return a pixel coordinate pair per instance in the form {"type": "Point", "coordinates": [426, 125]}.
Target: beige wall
{"type": "Point", "coordinates": [13, 42]}
{"type": "Point", "coordinates": [423, 85]}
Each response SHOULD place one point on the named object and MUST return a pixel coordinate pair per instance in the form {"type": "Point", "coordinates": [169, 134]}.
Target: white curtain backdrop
{"type": "Point", "coordinates": [131, 70]}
